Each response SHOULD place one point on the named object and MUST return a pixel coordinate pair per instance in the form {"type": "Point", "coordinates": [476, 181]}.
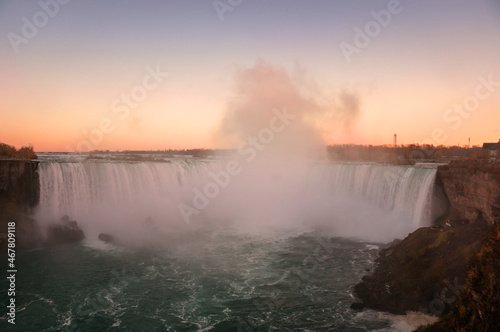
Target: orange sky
{"type": "Point", "coordinates": [422, 76]}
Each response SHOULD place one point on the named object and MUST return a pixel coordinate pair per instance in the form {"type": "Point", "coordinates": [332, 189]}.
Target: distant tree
{"type": "Point", "coordinates": [25, 152]}
{"type": "Point", "coordinates": [437, 154]}
{"type": "Point", "coordinates": [7, 150]}
{"type": "Point", "coordinates": [476, 155]}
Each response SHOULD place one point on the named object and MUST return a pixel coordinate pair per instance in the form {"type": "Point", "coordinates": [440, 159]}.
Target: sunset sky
{"type": "Point", "coordinates": [430, 71]}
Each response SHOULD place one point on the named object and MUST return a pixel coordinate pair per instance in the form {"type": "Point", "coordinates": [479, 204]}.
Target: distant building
{"type": "Point", "coordinates": [492, 150]}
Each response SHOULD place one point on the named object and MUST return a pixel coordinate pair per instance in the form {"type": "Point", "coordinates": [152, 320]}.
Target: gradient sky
{"type": "Point", "coordinates": [61, 82]}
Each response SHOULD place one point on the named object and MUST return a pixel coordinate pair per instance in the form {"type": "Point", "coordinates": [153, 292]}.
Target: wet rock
{"type": "Point", "coordinates": [105, 237]}
{"type": "Point", "coordinates": [66, 232]}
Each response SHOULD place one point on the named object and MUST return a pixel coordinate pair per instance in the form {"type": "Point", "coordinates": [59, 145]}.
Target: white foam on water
{"type": "Point", "coordinates": [411, 321]}
{"type": "Point", "coordinates": [372, 247]}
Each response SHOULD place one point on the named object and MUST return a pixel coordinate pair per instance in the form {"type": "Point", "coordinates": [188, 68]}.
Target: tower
{"type": "Point", "coordinates": [395, 140]}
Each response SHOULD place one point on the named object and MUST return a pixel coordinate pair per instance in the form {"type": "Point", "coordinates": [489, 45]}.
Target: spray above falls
{"type": "Point", "coordinates": [276, 122]}
{"type": "Point", "coordinates": [261, 90]}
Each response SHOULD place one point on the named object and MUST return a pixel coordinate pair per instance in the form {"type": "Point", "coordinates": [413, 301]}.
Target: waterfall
{"type": "Point", "coordinates": [74, 188]}
{"type": "Point", "coordinates": [358, 200]}
{"type": "Point", "coordinates": [104, 196]}
{"type": "Point", "coordinates": [400, 189]}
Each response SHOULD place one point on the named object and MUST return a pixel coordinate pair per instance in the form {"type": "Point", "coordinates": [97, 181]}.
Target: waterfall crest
{"type": "Point", "coordinates": [404, 189]}
{"type": "Point", "coordinates": [366, 201]}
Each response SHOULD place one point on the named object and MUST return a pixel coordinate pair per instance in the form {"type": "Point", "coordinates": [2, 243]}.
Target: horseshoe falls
{"type": "Point", "coordinates": [196, 248]}
{"type": "Point", "coordinates": [370, 202]}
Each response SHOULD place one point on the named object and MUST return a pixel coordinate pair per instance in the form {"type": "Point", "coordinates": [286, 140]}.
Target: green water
{"type": "Point", "coordinates": [226, 281]}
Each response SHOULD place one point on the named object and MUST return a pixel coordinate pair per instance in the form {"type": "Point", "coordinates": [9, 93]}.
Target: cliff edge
{"type": "Point", "coordinates": [473, 190]}
{"type": "Point", "coordinates": [19, 183]}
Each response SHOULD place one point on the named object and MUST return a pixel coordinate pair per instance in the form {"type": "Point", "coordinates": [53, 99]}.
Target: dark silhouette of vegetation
{"type": "Point", "coordinates": [404, 154]}
{"type": "Point", "coordinates": [388, 154]}
{"type": "Point", "coordinates": [10, 152]}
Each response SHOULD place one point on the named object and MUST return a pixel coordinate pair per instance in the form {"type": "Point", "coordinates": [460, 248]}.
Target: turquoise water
{"type": "Point", "coordinates": [223, 281]}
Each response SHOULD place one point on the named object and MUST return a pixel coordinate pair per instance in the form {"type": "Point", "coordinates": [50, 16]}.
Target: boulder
{"type": "Point", "coordinates": [67, 232]}
{"type": "Point", "coordinates": [105, 237]}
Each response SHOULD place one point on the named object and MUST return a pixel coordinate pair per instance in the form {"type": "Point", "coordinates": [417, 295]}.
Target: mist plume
{"type": "Point", "coordinates": [264, 87]}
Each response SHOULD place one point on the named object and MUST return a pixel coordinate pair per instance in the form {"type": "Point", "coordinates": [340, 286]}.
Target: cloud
{"type": "Point", "coordinates": [265, 87]}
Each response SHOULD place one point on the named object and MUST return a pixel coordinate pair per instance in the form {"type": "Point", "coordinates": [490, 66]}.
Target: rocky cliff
{"type": "Point", "coordinates": [473, 191]}
{"type": "Point", "coordinates": [19, 183]}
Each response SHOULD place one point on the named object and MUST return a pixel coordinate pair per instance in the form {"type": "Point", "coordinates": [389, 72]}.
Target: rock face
{"type": "Point", "coordinates": [19, 193]}
{"type": "Point", "coordinates": [19, 183]}
{"type": "Point", "coordinates": [473, 190]}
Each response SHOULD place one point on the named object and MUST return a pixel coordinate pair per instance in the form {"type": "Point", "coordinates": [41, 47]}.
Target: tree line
{"type": "Point", "coordinates": [10, 152]}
